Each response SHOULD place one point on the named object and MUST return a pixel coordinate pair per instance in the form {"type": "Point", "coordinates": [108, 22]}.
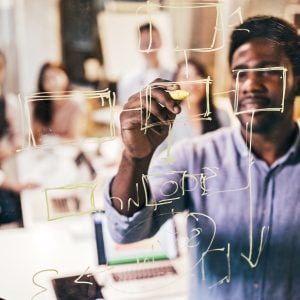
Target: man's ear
{"type": "Point", "coordinates": [297, 85]}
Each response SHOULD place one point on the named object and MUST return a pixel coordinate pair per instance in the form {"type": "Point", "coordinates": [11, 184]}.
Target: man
{"type": "Point", "coordinates": [240, 185]}
{"type": "Point", "coordinates": [134, 80]}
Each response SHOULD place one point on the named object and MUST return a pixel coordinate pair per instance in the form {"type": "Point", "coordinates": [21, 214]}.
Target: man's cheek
{"type": "Point", "coordinates": [232, 91]}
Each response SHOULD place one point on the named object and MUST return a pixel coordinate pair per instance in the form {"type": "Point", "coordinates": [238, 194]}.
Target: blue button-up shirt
{"type": "Point", "coordinates": [243, 219]}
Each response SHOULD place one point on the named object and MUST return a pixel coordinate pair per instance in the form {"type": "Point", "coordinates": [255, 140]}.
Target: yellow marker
{"type": "Point", "coordinates": [179, 94]}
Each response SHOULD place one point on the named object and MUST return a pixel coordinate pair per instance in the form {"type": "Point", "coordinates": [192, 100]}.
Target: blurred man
{"type": "Point", "coordinates": [240, 185]}
{"type": "Point", "coordinates": [140, 76]}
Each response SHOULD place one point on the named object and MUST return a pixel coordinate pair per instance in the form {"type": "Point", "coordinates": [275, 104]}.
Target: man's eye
{"type": "Point", "coordinates": [239, 75]}
{"type": "Point", "coordinates": [272, 73]}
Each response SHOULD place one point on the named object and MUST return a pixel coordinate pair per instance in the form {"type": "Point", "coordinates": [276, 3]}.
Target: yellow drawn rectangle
{"type": "Point", "coordinates": [70, 200]}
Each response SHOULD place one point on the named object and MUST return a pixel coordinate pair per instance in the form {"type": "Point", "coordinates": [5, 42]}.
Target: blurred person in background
{"type": "Point", "coordinates": [56, 110]}
{"type": "Point", "coordinates": [136, 79]}
{"type": "Point", "coordinates": [10, 207]}
{"type": "Point", "coordinates": [190, 123]}
{"type": "Point", "coordinates": [196, 105]}
{"type": "Point", "coordinates": [9, 126]}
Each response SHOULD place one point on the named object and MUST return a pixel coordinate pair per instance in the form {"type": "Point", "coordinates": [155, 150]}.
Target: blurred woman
{"type": "Point", "coordinates": [189, 122]}
{"type": "Point", "coordinates": [10, 207]}
{"type": "Point", "coordinates": [196, 105]}
{"type": "Point", "coordinates": [55, 111]}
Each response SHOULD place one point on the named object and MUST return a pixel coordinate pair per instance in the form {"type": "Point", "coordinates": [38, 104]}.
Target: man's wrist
{"type": "Point", "coordinates": [136, 160]}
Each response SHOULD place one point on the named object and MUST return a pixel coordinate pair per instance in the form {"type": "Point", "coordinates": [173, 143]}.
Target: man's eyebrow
{"type": "Point", "coordinates": [239, 67]}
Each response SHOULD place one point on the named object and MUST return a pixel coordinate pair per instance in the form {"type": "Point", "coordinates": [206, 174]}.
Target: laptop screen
{"type": "Point", "coordinates": [163, 245]}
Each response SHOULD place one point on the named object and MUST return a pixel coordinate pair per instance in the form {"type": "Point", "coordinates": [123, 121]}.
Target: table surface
{"type": "Point", "coordinates": [55, 249]}
{"type": "Point", "coordinates": [32, 256]}
{"type": "Point", "coordinates": [54, 169]}
{"type": "Point", "coordinates": [67, 246]}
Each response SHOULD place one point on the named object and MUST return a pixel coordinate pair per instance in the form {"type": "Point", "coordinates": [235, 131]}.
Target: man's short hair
{"type": "Point", "coordinates": [271, 28]}
{"type": "Point", "coordinates": [146, 27]}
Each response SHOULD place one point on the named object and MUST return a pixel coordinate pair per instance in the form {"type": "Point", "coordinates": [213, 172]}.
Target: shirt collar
{"type": "Point", "coordinates": [240, 142]}
{"type": "Point", "coordinates": [244, 150]}
{"type": "Point", "coordinates": [295, 148]}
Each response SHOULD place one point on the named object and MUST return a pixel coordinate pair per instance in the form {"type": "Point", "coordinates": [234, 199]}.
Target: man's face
{"type": "Point", "coordinates": [146, 38]}
{"type": "Point", "coordinates": [262, 89]}
{"type": "Point", "coordinates": [153, 40]}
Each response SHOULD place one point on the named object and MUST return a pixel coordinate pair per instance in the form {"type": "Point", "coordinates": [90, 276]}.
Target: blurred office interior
{"type": "Point", "coordinates": [97, 42]}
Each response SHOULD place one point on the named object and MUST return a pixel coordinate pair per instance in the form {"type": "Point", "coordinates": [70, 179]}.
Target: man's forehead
{"type": "Point", "coordinates": [260, 48]}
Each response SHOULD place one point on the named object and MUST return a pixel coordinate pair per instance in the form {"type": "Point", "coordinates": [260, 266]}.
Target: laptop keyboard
{"type": "Point", "coordinates": [144, 273]}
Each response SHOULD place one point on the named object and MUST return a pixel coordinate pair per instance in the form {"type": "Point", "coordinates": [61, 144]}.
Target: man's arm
{"type": "Point", "coordinates": [127, 184]}
{"type": "Point", "coordinates": [140, 144]}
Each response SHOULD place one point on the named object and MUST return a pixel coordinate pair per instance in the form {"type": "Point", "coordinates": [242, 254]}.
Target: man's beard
{"type": "Point", "coordinates": [263, 122]}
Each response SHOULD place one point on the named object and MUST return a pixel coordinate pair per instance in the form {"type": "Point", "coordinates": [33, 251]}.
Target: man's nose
{"type": "Point", "coordinates": [252, 83]}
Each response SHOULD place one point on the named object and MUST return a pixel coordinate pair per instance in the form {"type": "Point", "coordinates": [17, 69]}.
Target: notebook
{"type": "Point", "coordinates": [147, 269]}
{"type": "Point", "coordinates": [66, 288]}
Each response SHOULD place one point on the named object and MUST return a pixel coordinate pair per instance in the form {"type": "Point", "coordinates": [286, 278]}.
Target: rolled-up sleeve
{"type": "Point", "coordinates": [125, 229]}
{"type": "Point", "coordinates": [167, 198]}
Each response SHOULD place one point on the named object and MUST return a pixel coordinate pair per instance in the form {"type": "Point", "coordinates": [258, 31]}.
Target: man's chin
{"type": "Point", "coordinates": [262, 122]}
{"type": "Point", "coordinates": [256, 128]}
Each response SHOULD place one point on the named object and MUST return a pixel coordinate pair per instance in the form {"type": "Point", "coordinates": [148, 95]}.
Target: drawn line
{"type": "Point", "coordinates": [40, 286]}
{"type": "Point", "coordinates": [80, 276]}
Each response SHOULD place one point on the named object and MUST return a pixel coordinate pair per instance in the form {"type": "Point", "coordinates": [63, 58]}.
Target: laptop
{"type": "Point", "coordinates": [148, 269]}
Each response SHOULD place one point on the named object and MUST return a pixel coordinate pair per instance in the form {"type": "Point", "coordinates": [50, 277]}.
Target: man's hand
{"type": "Point", "coordinates": [146, 118]}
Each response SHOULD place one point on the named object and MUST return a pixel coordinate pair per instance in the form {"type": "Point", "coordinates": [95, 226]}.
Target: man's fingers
{"type": "Point", "coordinates": [164, 84]}
{"type": "Point", "coordinates": [158, 90]}
{"type": "Point", "coordinates": [148, 106]}
{"type": "Point", "coordinates": [162, 114]}
{"type": "Point", "coordinates": [160, 95]}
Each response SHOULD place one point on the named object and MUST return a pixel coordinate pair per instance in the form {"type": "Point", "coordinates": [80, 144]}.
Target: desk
{"type": "Point", "coordinates": [67, 246]}
{"type": "Point", "coordinates": [55, 166]}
